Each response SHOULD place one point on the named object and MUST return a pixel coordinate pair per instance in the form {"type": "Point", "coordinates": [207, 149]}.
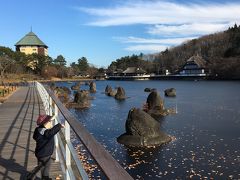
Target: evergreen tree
{"type": "Point", "coordinates": [60, 61]}
{"type": "Point", "coordinates": [83, 64]}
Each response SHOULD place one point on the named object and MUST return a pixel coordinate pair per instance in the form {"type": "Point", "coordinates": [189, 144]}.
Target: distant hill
{"type": "Point", "coordinates": [220, 50]}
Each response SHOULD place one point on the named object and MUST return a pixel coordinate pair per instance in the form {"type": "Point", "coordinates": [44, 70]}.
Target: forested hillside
{"type": "Point", "coordinates": [221, 52]}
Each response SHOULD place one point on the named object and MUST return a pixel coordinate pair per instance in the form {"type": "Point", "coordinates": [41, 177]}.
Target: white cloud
{"type": "Point", "coordinates": [188, 29]}
{"type": "Point", "coordinates": [163, 12]}
{"type": "Point", "coordinates": [167, 41]}
{"type": "Point", "coordinates": [146, 48]}
{"type": "Point", "coordinates": [172, 22]}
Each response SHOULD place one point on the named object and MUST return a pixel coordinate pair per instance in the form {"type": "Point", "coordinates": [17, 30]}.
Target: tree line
{"type": "Point", "coordinates": [19, 63]}
{"type": "Point", "coordinates": [131, 61]}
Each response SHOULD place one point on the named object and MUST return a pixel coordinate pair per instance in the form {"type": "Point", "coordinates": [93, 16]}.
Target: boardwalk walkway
{"type": "Point", "coordinates": [17, 122]}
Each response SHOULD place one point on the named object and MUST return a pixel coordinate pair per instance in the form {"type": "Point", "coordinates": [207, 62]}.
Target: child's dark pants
{"type": "Point", "coordinates": [46, 165]}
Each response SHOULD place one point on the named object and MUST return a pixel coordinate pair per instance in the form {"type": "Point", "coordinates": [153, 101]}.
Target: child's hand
{"type": "Point", "coordinates": [62, 126]}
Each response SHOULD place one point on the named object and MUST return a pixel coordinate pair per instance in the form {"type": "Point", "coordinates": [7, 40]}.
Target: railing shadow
{"type": "Point", "coordinates": [11, 165]}
{"type": "Point", "coordinates": [28, 106]}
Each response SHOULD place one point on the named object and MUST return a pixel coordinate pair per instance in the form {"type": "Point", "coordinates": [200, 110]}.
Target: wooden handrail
{"type": "Point", "coordinates": [111, 168]}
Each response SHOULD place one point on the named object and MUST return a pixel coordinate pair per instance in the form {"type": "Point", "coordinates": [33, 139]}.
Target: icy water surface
{"type": "Point", "coordinates": [206, 127]}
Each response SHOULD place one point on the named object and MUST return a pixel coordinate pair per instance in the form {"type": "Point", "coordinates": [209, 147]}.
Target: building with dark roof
{"type": "Point", "coordinates": [131, 73]}
{"type": "Point", "coordinates": [30, 44]}
{"type": "Point", "coordinates": [195, 65]}
{"type": "Point", "coordinates": [134, 71]}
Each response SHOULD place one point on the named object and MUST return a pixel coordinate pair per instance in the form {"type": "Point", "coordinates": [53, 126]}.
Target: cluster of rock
{"type": "Point", "coordinates": [81, 97]}
{"type": "Point", "coordinates": [142, 126]}
{"type": "Point", "coordinates": [119, 94]}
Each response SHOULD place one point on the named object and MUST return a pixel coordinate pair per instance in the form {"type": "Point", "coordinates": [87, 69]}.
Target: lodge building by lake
{"type": "Point", "coordinates": [194, 66]}
{"type": "Point", "coordinates": [30, 44]}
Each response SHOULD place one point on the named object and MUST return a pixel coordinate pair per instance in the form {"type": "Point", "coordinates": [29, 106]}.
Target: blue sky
{"type": "Point", "coordinates": [103, 30]}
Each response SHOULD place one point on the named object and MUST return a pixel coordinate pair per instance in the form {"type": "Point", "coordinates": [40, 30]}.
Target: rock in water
{"type": "Point", "coordinates": [142, 130]}
{"type": "Point", "coordinates": [147, 90]}
{"type": "Point", "coordinates": [113, 93]}
{"type": "Point", "coordinates": [62, 93]}
{"type": "Point", "coordinates": [52, 86]}
{"type": "Point", "coordinates": [87, 83]}
{"type": "Point", "coordinates": [154, 100]}
{"type": "Point", "coordinates": [153, 89]}
{"type": "Point", "coordinates": [170, 92]}
{"type": "Point", "coordinates": [92, 87]}
{"type": "Point", "coordinates": [66, 90]}
{"type": "Point", "coordinates": [108, 90]}
{"type": "Point", "coordinates": [76, 86]}
{"type": "Point", "coordinates": [120, 94]}
{"type": "Point", "coordinates": [155, 105]}
{"type": "Point", "coordinates": [81, 99]}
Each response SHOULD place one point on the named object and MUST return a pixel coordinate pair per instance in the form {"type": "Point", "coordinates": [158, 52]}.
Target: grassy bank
{"type": "Point", "coordinates": [9, 78]}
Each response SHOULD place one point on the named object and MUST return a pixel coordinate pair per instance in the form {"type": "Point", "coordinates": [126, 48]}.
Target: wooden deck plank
{"type": "Point", "coordinates": [17, 122]}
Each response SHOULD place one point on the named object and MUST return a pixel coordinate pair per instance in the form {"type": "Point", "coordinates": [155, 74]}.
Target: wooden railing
{"type": "Point", "coordinates": [67, 155]}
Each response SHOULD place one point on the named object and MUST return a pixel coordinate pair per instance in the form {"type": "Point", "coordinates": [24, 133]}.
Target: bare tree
{"type": "Point", "coordinates": [5, 62]}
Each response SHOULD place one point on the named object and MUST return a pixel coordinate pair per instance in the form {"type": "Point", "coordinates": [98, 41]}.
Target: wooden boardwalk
{"type": "Point", "coordinates": [17, 122]}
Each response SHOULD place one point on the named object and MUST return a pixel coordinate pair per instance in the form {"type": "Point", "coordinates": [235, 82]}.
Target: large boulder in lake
{"type": "Point", "coordinates": [155, 105]}
{"type": "Point", "coordinates": [171, 92]}
{"type": "Point", "coordinates": [62, 93]}
{"type": "Point", "coordinates": [142, 130]}
{"type": "Point", "coordinates": [81, 96]}
{"type": "Point", "coordinates": [92, 87]}
{"type": "Point", "coordinates": [81, 100]}
{"type": "Point", "coordinates": [120, 95]}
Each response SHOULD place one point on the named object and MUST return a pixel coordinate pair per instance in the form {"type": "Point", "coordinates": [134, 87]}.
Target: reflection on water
{"type": "Point", "coordinates": [206, 128]}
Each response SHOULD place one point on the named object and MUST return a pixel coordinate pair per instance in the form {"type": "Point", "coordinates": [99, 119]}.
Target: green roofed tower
{"type": "Point", "coordinates": [30, 44]}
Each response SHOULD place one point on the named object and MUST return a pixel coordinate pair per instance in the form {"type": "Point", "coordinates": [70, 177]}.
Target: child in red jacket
{"type": "Point", "coordinates": [44, 137]}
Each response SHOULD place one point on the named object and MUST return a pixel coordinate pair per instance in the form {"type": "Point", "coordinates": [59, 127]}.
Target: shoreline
{"type": "Point", "coordinates": [119, 78]}
{"type": "Point", "coordinates": [60, 80]}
